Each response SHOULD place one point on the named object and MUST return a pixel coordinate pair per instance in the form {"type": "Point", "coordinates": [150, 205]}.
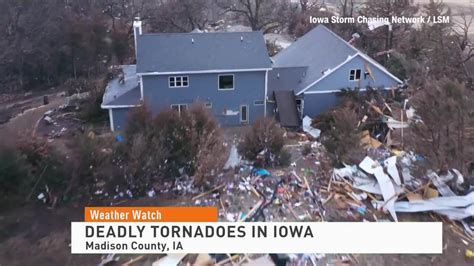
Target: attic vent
{"type": "Point", "coordinates": [192, 40]}
{"type": "Point", "coordinates": [241, 38]}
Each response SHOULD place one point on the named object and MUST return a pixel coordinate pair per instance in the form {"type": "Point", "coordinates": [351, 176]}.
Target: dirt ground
{"type": "Point", "coordinates": [24, 115]}
{"type": "Point", "coordinates": [34, 234]}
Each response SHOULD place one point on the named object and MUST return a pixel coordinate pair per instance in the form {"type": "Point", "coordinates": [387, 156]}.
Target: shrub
{"type": "Point", "coordinates": [172, 144]}
{"type": "Point", "coordinates": [342, 136]}
{"type": "Point", "coordinates": [208, 138]}
{"type": "Point", "coordinates": [138, 122]}
{"type": "Point", "coordinates": [264, 135]}
{"type": "Point", "coordinates": [90, 108]}
{"type": "Point", "coordinates": [14, 172]}
{"type": "Point", "coordinates": [28, 168]}
{"type": "Point", "coordinates": [47, 166]}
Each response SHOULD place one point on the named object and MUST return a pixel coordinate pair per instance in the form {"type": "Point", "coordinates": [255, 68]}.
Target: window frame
{"type": "Point", "coordinates": [300, 106]}
{"type": "Point", "coordinates": [247, 113]}
{"type": "Point", "coordinates": [226, 89]}
{"type": "Point", "coordinates": [174, 80]}
{"type": "Point", "coordinates": [180, 105]}
{"type": "Point", "coordinates": [260, 102]}
{"type": "Point", "coordinates": [208, 105]}
{"type": "Point", "coordinates": [355, 74]}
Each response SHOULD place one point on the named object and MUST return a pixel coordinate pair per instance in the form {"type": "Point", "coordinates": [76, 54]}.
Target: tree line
{"type": "Point", "coordinates": [45, 43]}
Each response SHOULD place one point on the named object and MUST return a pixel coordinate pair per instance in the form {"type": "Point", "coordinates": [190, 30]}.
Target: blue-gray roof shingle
{"type": "Point", "coordinates": [182, 52]}
{"type": "Point", "coordinates": [320, 50]}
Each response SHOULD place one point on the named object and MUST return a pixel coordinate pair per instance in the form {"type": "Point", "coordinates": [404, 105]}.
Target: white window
{"type": "Point", "coordinates": [226, 82]}
{"type": "Point", "coordinates": [258, 102]}
{"type": "Point", "coordinates": [354, 74]}
{"type": "Point", "coordinates": [179, 107]}
{"type": "Point", "coordinates": [178, 81]}
{"type": "Point", "coordinates": [244, 113]}
{"type": "Point", "coordinates": [208, 105]}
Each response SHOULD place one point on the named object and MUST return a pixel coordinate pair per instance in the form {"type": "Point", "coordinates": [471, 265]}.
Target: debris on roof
{"type": "Point", "coordinates": [122, 89]}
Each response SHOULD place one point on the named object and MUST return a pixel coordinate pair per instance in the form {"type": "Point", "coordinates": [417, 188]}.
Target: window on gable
{"type": "Point", "coordinates": [178, 81]}
{"type": "Point", "coordinates": [354, 74]}
{"type": "Point", "coordinates": [226, 82]}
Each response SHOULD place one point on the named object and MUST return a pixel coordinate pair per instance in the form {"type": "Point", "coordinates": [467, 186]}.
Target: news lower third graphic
{"type": "Point", "coordinates": [157, 230]}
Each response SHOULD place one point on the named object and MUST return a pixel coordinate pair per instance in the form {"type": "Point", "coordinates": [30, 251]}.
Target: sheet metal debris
{"type": "Point", "coordinates": [314, 132]}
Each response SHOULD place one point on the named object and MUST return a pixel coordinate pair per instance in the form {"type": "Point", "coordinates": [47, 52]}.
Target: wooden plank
{"type": "Point", "coordinates": [132, 261]}
{"type": "Point", "coordinates": [209, 192]}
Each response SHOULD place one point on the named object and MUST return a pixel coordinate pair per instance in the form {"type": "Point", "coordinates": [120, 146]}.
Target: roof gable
{"type": "Point", "coordinates": [183, 52]}
{"type": "Point", "coordinates": [323, 51]}
{"type": "Point", "coordinates": [333, 71]}
{"type": "Point", "coordinates": [320, 50]}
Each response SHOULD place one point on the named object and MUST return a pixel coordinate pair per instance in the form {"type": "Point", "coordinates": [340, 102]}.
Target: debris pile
{"type": "Point", "coordinates": [229, 259]}
{"type": "Point", "coordinates": [388, 180]}
{"type": "Point", "coordinates": [64, 120]}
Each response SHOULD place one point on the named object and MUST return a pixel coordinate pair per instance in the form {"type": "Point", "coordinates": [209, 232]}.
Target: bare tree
{"type": "Point", "coordinates": [308, 4]}
{"type": "Point", "coordinates": [386, 38]}
{"type": "Point", "coordinates": [443, 47]}
{"type": "Point", "coordinates": [68, 39]}
{"type": "Point", "coordinates": [347, 7]}
{"type": "Point", "coordinates": [445, 107]}
{"type": "Point", "coordinates": [258, 13]}
{"type": "Point", "coordinates": [466, 45]}
{"type": "Point", "coordinates": [181, 15]}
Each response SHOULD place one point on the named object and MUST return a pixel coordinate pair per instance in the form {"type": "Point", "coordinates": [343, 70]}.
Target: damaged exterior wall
{"type": "Point", "coordinates": [248, 88]}
{"type": "Point", "coordinates": [339, 79]}
{"type": "Point", "coordinates": [322, 96]}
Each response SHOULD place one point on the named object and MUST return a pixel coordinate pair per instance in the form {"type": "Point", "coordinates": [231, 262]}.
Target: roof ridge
{"type": "Point", "coordinates": [364, 55]}
{"type": "Point", "coordinates": [339, 37]}
{"type": "Point", "coordinates": [199, 33]}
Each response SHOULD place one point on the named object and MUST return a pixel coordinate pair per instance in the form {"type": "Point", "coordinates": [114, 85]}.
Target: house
{"type": "Point", "coordinates": [232, 75]}
{"type": "Point", "coordinates": [315, 68]}
{"type": "Point", "coordinates": [225, 71]}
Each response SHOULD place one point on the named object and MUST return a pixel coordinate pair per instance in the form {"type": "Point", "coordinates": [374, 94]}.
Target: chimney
{"type": "Point", "coordinates": [137, 30]}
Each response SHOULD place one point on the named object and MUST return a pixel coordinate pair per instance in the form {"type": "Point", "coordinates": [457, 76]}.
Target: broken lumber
{"type": "Point", "coordinates": [208, 192]}
{"type": "Point", "coordinates": [132, 261]}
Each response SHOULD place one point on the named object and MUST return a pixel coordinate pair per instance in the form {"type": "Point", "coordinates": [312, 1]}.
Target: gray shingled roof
{"type": "Point", "coordinates": [320, 50]}
{"type": "Point", "coordinates": [180, 52]}
{"type": "Point", "coordinates": [127, 93]}
{"type": "Point", "coordinates": [285, 78]}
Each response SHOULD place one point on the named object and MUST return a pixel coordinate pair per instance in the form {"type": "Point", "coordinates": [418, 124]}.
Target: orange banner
{"type": "Point", "coordinates": [150, 214]}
